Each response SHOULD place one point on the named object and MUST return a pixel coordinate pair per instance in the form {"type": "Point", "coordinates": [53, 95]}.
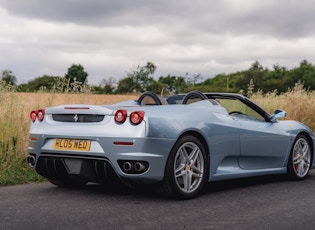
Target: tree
{"type": "Point", "coordinates": [194, 79]}
{"type": "Point", "coordinates": [180, 84]}
{"type": "Point", "coordinates": [107, 85]}
{"type": "Point", "coordinates": [255, 73]}
{"type": "Point", "coordinates": [76, 73]}
{"type": "Point", "coordinates": [274, 80]}
{"type": "Point", "coordinates": [126, 85]}
{"type": "Point", "coordinates": [173, 84]}
{"type": "Point", "coordinates": [154, 86]}
{"type": "Point", "coordinates": [45, 82]}
{"type": "Point", "coordinates": [142, 76]}
{"type": "Point", "coordinates": [304, 73]}
{"type": "Point", "coordinates": [9, 77]}
{"type": "Point", "coordinates": [138, 80]}
{"type": "Point", "coordinates": [169, 83]}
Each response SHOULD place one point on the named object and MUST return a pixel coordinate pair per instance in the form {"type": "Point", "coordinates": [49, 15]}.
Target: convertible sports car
{"type": "Point", "coordinates": [175, 143]}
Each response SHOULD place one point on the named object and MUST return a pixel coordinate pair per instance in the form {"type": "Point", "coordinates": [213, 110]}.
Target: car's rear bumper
{"type": "Point", "coordinates": [106, 156]}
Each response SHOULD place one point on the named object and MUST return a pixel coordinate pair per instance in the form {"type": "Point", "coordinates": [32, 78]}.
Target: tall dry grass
{"type": "Point", "coordinates": [298, 102]}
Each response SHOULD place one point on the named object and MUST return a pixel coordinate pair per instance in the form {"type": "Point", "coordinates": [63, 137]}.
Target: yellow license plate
{"type": "Point", "coordinates": [72, 144]}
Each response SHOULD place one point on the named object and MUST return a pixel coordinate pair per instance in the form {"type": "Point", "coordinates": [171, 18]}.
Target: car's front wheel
{"type": "Point", "coordinates": [300, 158]}
{"type": "Point", "coordinates": [186, 169]}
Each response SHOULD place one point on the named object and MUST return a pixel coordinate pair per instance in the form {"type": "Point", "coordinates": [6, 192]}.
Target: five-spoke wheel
{"type": "Point", "coordinates": [186, 169]}
{"type": "Point", "coordinates": [189, 167]}
{"type": "Point", "coordinates": [300, 158]}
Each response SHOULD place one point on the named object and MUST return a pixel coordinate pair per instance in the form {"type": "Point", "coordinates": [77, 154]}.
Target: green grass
{"type": "Point", "coordinates": [17, 171]}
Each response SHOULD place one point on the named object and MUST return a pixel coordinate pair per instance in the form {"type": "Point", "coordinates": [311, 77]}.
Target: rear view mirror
{"type": "Point", "coordinates": [278, 114]}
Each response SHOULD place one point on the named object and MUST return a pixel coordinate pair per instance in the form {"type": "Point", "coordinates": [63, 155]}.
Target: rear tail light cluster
{"type": "Point", "coordinates": [135, 117]}
{"type": "Point", "coordinates": [120, 116]}
{"type": "Point", "coordinates": [37, 114]}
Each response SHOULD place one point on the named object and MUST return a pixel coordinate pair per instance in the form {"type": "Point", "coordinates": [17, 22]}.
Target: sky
{"type": "Point", "coordinates": [109, 38]}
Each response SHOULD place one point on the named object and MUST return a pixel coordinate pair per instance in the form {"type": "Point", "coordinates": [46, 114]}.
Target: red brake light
{"type": "Point", "coordinates": [33, 116]}
{"type": "Point", "coordinates": [37, 114]}
{"type": "Point", "coordinates": [120, 116]}
{"type": "Point", "coordinates": [136, 117]}
{"type": "Point", "coordinates": [41, 114]}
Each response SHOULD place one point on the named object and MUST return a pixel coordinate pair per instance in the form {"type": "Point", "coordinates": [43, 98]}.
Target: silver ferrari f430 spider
{"type": "Point", "coordinates": [176, 144]}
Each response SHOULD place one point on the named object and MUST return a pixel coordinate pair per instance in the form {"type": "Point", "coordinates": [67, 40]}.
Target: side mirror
{"type": "Point", "coordinates": [278, 114]}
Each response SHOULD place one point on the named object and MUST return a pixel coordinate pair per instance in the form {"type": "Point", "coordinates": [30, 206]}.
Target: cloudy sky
{"type": "Point", "coordinates": [110, 37]}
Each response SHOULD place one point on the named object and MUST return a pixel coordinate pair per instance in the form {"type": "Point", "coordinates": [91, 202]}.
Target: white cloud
{"type": "Point", "coordinates": [110, 37]}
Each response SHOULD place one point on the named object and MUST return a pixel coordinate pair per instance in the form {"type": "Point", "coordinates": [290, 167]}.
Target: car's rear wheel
{"type": "Point", "coordinates": [300, 158]}
{"type": "Point", "coordinates": [186, 169]}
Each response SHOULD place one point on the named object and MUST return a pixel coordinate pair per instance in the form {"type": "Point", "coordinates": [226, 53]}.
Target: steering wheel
{"type": "Point", "coordinates": [235, 112]}
{"type": "Point", "coordinates": [194, 94]}
{"type": "Point", "coordinates": [152, 95]}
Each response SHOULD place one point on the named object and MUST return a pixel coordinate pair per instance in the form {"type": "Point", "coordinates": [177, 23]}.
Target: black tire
{"type": "Point", "coordinates": [186, 170]}
{"type": "Point", "coordinates": [299, 162]}
{"type": "Point", "coordinates": [68, 183]}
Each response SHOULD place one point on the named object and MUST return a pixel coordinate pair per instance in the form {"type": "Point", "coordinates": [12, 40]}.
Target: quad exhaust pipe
{"type": "Point", "coordinates": [139, 166]}
{"type": "Point", "coordinates": [127, 166]}
{"type": "Point", "coordinates": [31, 160]}
{"type": "Point", "coordinates": [134, 167]}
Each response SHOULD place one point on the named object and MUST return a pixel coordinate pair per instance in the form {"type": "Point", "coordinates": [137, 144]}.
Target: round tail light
{"type": "Point", "coordinates": [37, 114]}
{"type": "Point", "coordinates": [33, 116]}
{"type": "Point", "coordinates": [120, 116]}
{"type": "Point", "coordinates": [41, 114]}
{"type": "Point", "coordinates": [136, 117]}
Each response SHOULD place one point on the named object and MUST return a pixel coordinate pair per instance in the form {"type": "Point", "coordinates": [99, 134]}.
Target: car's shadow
{"type": "Point", "coordinates": [234, 184]}
{"type": "Point", "coordinates": [148, 191]}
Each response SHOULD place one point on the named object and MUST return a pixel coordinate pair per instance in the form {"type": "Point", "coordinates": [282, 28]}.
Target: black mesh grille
{"type": "Point", "coordinates": [78, 117]}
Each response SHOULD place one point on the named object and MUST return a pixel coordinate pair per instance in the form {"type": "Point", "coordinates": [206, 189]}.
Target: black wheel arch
{"type": "Point", "coordinates": [199, 136]}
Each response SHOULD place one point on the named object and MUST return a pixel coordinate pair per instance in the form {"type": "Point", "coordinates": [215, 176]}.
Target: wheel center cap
{"type": "Point", "coordinates": [187, 168]}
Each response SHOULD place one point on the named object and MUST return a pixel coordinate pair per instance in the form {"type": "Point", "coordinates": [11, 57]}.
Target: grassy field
{"type": "Point", "coordinates": [298, 103]}
{"type": "Point", "coordinates": [16, 107]}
